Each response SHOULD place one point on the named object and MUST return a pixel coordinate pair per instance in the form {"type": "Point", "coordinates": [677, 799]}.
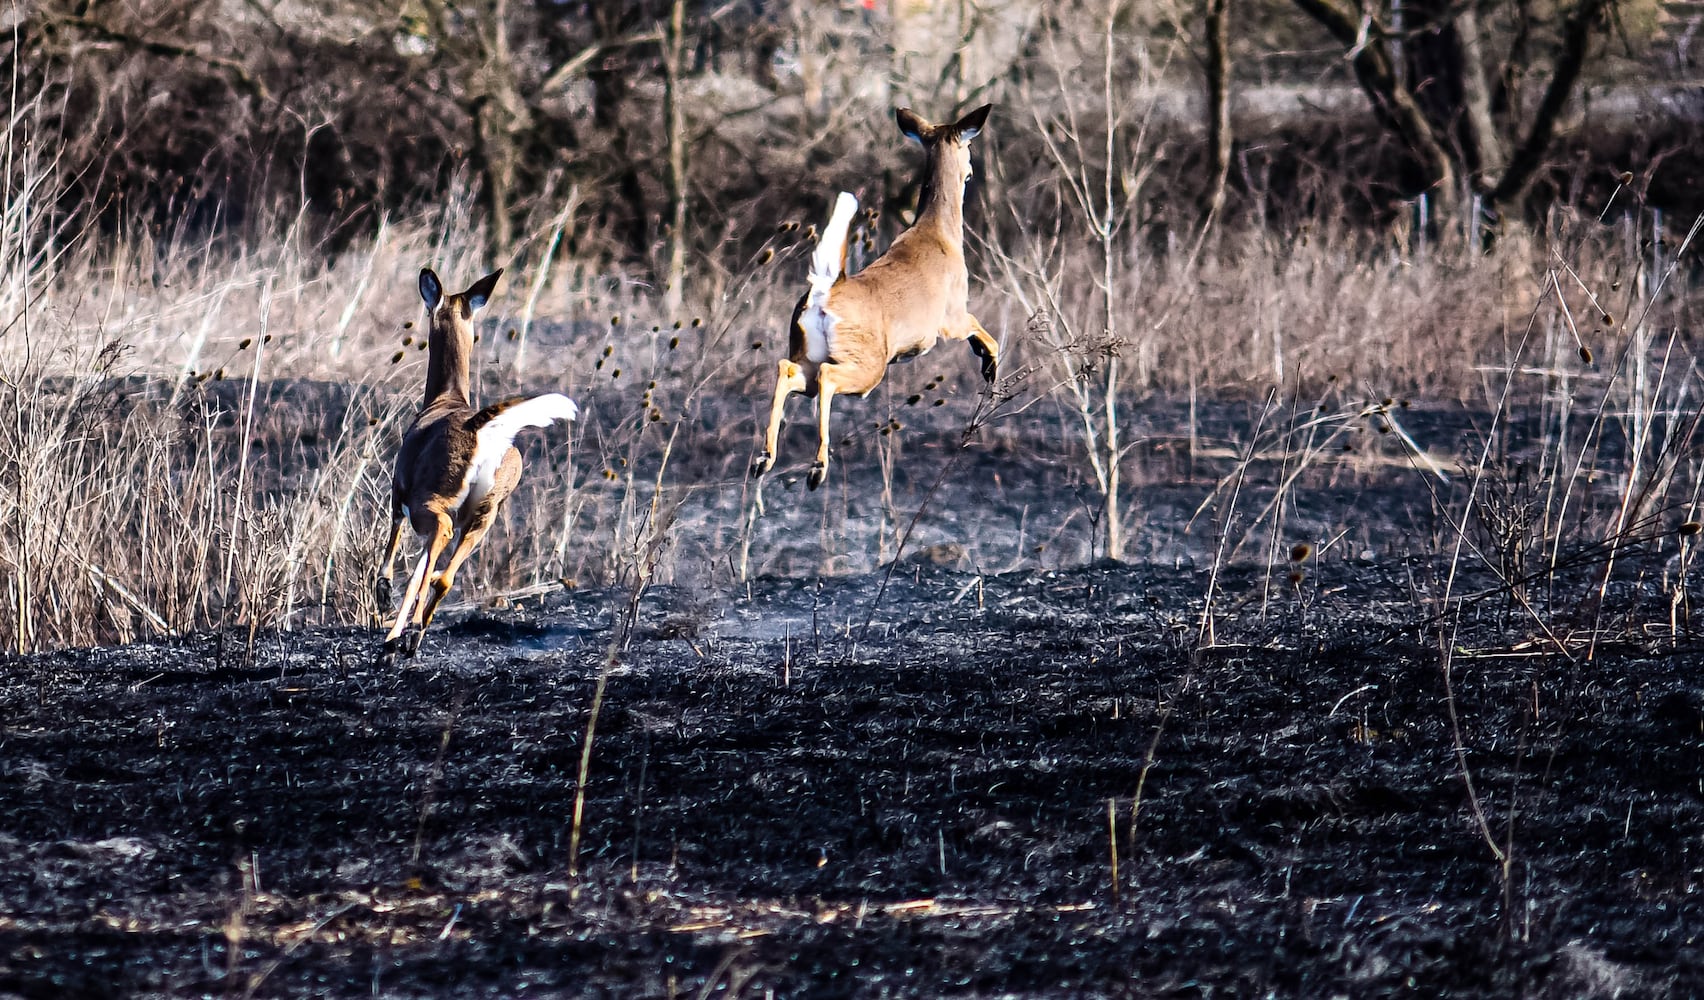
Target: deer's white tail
{"type": "Point", "coordinates": [827, 260]}
{"type": "Point", "coordinates": [494, 430]}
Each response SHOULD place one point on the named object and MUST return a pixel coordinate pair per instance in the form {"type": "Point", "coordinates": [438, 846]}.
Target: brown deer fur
{"type": "Point", "coordinates": [456, 465]}
{"type": "Point", "coordinates": [849, 328]}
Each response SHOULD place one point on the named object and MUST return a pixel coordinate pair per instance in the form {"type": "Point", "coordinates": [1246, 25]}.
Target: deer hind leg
{"type": "Point", "coordinates": [412, 600]}
{"type": "Point", "coordinates": [789, 379]}
{"type": "Point", "coordinates": [471, 536]}
{"type": "Point", "coordinates": [826, 385]}
{"type": "Point", "coordinates": [983, 344]}
{"type": "Point", "coordinates": [382, 582]}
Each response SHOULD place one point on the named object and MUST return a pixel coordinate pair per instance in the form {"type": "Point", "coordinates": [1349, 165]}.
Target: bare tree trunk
{"type": "Point", "coordinates": [675, 123]}
{"type": "Point", "coordinates": [1482, 139]}
{"type": "Point", "coordinates": [1459, 129]}
{"type": "Point", "coordinates": [495, 153]}
{"type": "Point", "coordinates": [1368, 42]}
{"type": "Point", "coordinates": [1218, 108]}
{"type": "Point", "coordinates": [1576, 44]}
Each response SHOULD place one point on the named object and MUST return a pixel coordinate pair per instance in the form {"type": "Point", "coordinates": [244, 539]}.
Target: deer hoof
{"type": "Point", "coordinates": [761, 464]}
{"type": "Point", "coordinates": [990, 364]}
{"type": "Point", "coordinates": [818, 473]}
{"type": "Point", "coordinates": [411, 641]}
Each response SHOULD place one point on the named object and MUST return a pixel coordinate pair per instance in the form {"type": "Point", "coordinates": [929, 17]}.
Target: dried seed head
{"type": "Point", "coordinates": [674, 342]}
{"type": "Point", "coordinates": [420, 346]}
{"type": "Point", "coordinates": [1608, 320]}
{"type": "Point", "coordinates": [651, 385]}
{"type": "Point", "coordinates": [677, 324]}
{"type": "Point", "coordinates": [408, 341]}
{"type": "Point", "coordinates": [1625, 177]}
{"type": "Point", "coordinates": [757, 345]}
{"type": "Point", "coordinates": [1382, 427]}
{"type": "Point", "coordinates": [245, 344]}
{"type": "Point", "coordinates": [219, 376]}
{"type": "Point", "coordinates": [656, 329]}
{"type": "Point", "coordinates": [656, 415]}
{"type": "Point", "coordinates": [395, 358]}
{"type": "Point", "coordinates": [913, 399]}
{"type": "Point", "coordinates": [608, 350]}
{"type": "Point", "coordinates": [1300, 552]}
{"type": "Point", "coordinates": [408, 325]}
{"type": "Point", "coordinates": [615, 320]}
{"type": "Point", "coordinates": [697, 322]}
{"type": "Point", "coordinates": [514, 334]}
{"type": "Point", "coordinates": [940, 402]}
{"type": "Point", "coordinates": [266, 339]}
{"type": "Point", "coordinates": [476, 338]}
{"type": "Point", "coordinates": [765, 257]}
{"type": "Point", "coordinates": [1296, 577]}
{"type": "Point", "coordinates": [615, 374]}
{"type": "Point", "coordinates": [372, 421]}
{"type": "Point", "coordinates": [599, 365]}
{"type": "Point", "coordinates": [1691, 527]}
{"type": "Point", "coordinates": [1585, 354]}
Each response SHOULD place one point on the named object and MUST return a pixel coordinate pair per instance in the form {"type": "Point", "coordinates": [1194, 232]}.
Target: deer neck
{"type": "Point", "coordinates": [448, 349]}
{"type": "Point", "coordinates": [941, 201]}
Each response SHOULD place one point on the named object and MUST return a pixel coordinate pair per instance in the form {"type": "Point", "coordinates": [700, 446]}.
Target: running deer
{"type": "Point", "coordinates": [457, 464]}
{"type": "Point", "coordinates": [847, 329]}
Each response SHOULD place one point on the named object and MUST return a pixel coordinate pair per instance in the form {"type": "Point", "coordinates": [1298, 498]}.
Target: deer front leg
{"type": "Point", "coordinates": [983, 344]}
{"type": "Point", "coordinates": [826, 378]}
{"type": "Point", "coordinates": [382, 582]}
{"type": "Point", "coordinates": [788, 380]}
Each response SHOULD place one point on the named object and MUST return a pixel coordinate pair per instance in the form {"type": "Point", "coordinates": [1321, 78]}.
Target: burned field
{"type": "Point", "coordinates": [925, 782]}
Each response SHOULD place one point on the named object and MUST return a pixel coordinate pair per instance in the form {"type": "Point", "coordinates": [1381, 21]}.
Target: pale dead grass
{"type": "Point", "coordinates": [132, 503]}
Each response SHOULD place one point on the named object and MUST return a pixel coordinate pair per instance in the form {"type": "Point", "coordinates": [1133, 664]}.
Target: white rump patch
{"type": "Point", "coordinates": [493, 440]}
{"type": "Point", "coordinates": [817, 322]}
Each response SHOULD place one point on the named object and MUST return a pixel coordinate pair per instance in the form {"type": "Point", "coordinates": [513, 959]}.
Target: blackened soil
{"type": "Point", "coordinates": [876, 786]}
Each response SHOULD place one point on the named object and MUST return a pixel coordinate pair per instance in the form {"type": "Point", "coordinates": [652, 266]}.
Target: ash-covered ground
{"type": "Point", "coordinates": [906, 783]}
{"type": "Point", "coordinates": [839, 791]}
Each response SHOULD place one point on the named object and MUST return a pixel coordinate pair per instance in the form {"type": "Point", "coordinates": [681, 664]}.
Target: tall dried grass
{"type": "Point", "coordinates": [196, 424]}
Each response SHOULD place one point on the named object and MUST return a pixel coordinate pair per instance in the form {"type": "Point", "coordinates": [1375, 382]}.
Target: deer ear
{"type": "Point", "coordinates": [968, 126]}
{"type": "Point", "coordinates": [911, 124]}
{"type": "Point", "coordinates": [480, 291]}
{"type": "Point", "coordinates": [431, 289]}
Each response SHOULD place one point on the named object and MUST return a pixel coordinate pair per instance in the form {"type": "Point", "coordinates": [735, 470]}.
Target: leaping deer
{"type": "Point", "coordinates": [847, 329]}
{"type": "Point", "coordinates": [456, 465]}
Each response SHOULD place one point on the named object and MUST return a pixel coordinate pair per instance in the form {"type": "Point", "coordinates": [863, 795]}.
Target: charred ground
{"type": "Point", "coordinates": [919, 808]}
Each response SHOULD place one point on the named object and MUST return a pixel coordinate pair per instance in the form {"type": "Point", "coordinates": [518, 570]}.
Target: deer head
{"type": "Point", "coordinates": [449, 320]}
